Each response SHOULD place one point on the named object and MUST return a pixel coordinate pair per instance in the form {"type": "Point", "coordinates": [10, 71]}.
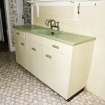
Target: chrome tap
{"type": "Point", "coordinates": [52, 24]}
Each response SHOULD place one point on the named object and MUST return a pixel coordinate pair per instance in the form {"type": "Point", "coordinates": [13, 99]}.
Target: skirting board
{"type": "Point", "coordinates": [75, 95]}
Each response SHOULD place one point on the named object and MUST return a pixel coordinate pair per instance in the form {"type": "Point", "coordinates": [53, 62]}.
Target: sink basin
{"type": "Point", "coordinates": [46, 31]}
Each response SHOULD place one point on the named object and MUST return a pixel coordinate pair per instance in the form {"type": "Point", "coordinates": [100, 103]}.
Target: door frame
{"type": "Point", "coordinates": [4, 23]}
{"type": "Point", "coordinates": [2, 36]}
{"type": "Point", "coordinates": [9, 27]}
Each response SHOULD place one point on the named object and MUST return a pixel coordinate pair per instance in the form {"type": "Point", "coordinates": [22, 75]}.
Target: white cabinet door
{"type": "Point", "coordinates": [21, 56]}
{"type": "Point", "coordinates": [34, 54]}
{"type": "Point", "coordinates": [55, 70]}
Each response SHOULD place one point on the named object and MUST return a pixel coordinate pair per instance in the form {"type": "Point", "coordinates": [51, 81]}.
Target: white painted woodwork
{"type": "Point", "coordinates": [34, 54]}
{"type": "Point", "coordinates": [21, 55]}
{"type": "Point", "coordinates": [62, 67]}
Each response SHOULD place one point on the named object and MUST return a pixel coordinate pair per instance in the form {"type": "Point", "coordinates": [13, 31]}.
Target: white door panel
{"type": "Point", "coordinates": [55, 69]}
{"type": "Point", "coordinates": [21, 56]}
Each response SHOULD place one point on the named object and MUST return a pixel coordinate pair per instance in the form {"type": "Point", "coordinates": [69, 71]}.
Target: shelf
{"type": "Point", "coordinates": [64, 2]}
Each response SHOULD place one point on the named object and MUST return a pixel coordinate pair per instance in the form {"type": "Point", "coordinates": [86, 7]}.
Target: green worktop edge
{"type": "Point", "coordinates": [28, 28]}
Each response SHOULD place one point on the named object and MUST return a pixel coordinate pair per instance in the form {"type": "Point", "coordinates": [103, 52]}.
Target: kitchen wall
{"type": "Point", "coordinates": [90, 21]}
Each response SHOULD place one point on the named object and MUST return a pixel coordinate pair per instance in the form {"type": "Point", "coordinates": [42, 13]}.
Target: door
{"type": "Point", "coordinates": [21, 56]}
{"type": "Point", "coordinates": [4, 21]}
{"type": "Point", "coordinates": [34, 53]}
{"type": "Point", "coordinates": [55, 66]}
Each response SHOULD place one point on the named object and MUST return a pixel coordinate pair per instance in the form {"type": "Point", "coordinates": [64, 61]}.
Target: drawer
{"type": "Point", "coordinates": [34, 47]}
{"type": "Point", "coordinates": [33, 39]}
{"type": "Point", "coordinates": [49, 44]}
{"type": "Point", "coordinates": [33, 43]}
{"type": "Point", "coordinates": [21, 35]}
{"type": "Point", "coordinates": [56, 46]}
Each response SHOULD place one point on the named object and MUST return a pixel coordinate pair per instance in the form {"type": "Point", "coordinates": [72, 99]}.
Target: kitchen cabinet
{"type": "Point", "coordinates": [63, 67]}
{"type": "Point", "coordinates": [20, 44]}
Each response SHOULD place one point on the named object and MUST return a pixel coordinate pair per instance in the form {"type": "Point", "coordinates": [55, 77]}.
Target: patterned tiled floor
{"type": "Point", "coordinates": [19, 87]}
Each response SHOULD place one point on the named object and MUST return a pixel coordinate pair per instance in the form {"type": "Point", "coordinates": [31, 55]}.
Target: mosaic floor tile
{"type": "Point", "coordinates": [19, 87]}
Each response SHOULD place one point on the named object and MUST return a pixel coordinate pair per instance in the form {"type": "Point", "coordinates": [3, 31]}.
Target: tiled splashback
{"type": "Point", "coordinates": [12, 17]}
{"type": "Point", "coordinates": [27, 12]}
{"type": "Point", "coordinates": [13, 12]}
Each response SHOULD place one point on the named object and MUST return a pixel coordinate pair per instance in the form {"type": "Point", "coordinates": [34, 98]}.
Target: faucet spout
{"type": "Point", "coordinates": [53, 24]}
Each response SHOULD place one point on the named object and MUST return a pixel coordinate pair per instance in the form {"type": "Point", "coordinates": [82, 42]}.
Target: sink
{"type": "Point", "coordinates": [46, 31]}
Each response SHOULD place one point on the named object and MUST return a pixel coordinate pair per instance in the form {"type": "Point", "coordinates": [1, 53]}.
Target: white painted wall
{"type": "Point", "coordinates": [91, 21]}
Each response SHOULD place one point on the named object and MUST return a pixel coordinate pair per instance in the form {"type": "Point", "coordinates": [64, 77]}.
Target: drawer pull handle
{"type": "Point", "coordinates": [55, 46]}
{"type": "Point", "coordinates": [33, 49]}
{"type": "Point", "coordinates": [14, 43]}
{"type": "Point", "coordinates": [22, 44]}
{"type": "Point", "coordinates": [48, 56]}
{"type": "Point", "coordinates": [17, 33]}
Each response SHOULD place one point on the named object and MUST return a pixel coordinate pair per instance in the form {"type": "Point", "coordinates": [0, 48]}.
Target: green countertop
{"type": "Point", "coordinates": [68, 38]}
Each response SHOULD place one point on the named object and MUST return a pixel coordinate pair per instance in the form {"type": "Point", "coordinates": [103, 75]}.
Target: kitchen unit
{"type": "Point", "coordinates": [62, 61]}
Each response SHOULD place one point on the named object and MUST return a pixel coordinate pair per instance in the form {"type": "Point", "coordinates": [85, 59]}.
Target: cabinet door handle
{"type": "Point", "coordinates": [14, 43]}
{"type": "Point", "coordinates": [34, 49]}
{"type": "Point", "coordinates": [22, 43]}
{"type": "Point", "coordinates": [17, 33]}
{"type": "Point", "coordinates": [48, 56]}
{"type": "Point", "coordinates": [55, 46]}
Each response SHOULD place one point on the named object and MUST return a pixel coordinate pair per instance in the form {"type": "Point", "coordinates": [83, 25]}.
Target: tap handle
{"type": "Point", "coordinates": [53, 22]}
{"type": "Point", "coordinates": [57, 23]}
